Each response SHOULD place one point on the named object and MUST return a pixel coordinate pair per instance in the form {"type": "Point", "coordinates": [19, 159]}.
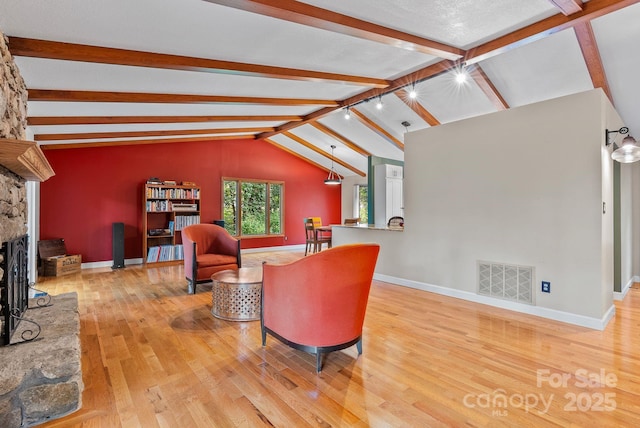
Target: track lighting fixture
{"type": "Point", "coordinates": [412, 93]}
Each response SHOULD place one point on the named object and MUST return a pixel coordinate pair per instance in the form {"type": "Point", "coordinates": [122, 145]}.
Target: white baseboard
{"type": "Point", "coordinates": [138, 261]}
{"type": "Point", "coordinates": [625, 289]}
{"type": "Point", "coordinates": [566, 317]}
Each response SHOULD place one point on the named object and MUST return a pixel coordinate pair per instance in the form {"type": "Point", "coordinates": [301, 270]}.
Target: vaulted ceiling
{"type": "Point", "coordinates": [155, 71]}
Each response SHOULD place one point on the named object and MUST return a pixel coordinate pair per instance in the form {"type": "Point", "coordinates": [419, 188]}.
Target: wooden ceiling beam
{"type": "Point", "coordinates": [104, 55]}
{"type": "Point", "coordinates": [306, 14]}
{"type": "Point", "coordinates": [158, 133]}
{"type": "Point", "coordinates": [567, 7]}
{"type": "Point", "coordinates": [138, 97]}
{"type": "Point", "coordinates": [114, 120]}
{"type": "Point", "coordinates": [418, 108]}
{"type": "Point", "coordinates": [591, 10]}
{"type": "Point", "coordinates": [138, 142]}
{"type": "Point", "coordinates": [591, 54]}
{"type": "Point", "coordinates": [416, 76]}
{"type": "Point", "coordinates": [482, 80]}
{"type": "Point", "coordinates": [377, 128]}
{"type": "Point", "coordinates": [401, 82]}
{"type": "Point", "coordinates": [310, 146]}
{"type": "Point", "coordinates": [310, 118]}
{"type": "Point", "coordinates": [339, 137]}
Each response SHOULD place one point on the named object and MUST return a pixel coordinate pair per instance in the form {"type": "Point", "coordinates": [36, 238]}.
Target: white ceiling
{"type": "Point", "coordinates": [541, 59]}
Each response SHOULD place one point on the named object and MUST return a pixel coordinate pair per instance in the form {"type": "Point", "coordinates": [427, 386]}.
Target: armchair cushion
{"type": "Point", "coordinates": [208, 248]}
{"type": "Point", "coordinates": [318, 303]}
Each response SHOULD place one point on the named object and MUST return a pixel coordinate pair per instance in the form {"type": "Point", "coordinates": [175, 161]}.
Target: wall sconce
{"type": "Point", "coordinates": [333, 177]}
{"type": "Point", "coordinates": [628, 151]}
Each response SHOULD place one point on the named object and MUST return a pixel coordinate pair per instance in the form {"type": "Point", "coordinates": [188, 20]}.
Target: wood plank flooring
{"type": "Point", "coordinates": [154, 356]}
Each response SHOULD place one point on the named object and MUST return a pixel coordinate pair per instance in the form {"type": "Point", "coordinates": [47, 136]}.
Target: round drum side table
{"type": "Point", "coordinates": [236, 294]}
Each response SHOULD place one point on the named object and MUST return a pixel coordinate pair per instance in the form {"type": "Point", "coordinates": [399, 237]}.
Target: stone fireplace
{"type": "Point", "coordinates": [39, 379]}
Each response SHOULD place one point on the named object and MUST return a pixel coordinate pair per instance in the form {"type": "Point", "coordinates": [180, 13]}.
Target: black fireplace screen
{"type": "Point", "coordinates": [14, 287]}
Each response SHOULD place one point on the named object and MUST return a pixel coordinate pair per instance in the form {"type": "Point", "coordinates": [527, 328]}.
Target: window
{"type": "Point", "coordinates": [360, 208]}
{"type": "Point", "coordinates": [252, 207]}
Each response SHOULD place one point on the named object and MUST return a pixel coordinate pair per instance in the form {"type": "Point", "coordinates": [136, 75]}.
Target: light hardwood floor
{"type": "Point", "coordinates": [154, 356]}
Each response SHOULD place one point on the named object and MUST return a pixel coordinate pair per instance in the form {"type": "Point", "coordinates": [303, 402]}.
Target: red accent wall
{"type": "Point", "coordinates": [97, 186]}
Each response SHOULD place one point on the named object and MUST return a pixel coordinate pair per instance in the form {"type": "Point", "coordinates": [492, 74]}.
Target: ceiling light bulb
{"type": "Point", "coordinates": [379, 104]}
{"type": "Point", "coordinates": [347, 114]}
{"type": "Point", "coordinates": [413, 93]}
{"type": "Point", "coordinates": [461, 77]}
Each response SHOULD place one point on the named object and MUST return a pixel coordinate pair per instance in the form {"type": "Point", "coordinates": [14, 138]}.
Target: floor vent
{"type": "Point", "coordinates": [509, 282]}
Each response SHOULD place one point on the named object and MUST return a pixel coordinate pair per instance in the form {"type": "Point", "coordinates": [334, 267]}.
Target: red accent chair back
{"type": "Point", "coordinates": [317, 304]}
{"type": "Point", "coordinates": [208, 248]}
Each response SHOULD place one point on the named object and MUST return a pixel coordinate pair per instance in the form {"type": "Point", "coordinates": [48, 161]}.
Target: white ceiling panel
{"type": "Point", "coordinates": [618, 35]}
{"type": "Point", "coordinates": [362, 136]}
{"type": "Point", "coordinates": [49, 108]}
{"type": "Point", "coordinates": [449, 100]}
{"type": "Point", "coordinates": [143, 139]}
{"type": "Point", "coordinates": [200, 29]}
{"type": "Point", "coordinates": [463, 23]}
{"type": "Point", "coordinates": [324, 142]}
{"type": "Point", "coordinates": [313, 156]}
{"type": "Point", "coordinates": [394, 111]}
{"type": "Point", "coordinates": [104, 77]}
{"type": "Point", "coordinates": [548, 68]}
{"type": "Point", "coordinates": [139, 127]}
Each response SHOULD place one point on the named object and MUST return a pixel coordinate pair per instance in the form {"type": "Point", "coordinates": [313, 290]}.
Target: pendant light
{"type": "Point", "coordinates": [333, 177]}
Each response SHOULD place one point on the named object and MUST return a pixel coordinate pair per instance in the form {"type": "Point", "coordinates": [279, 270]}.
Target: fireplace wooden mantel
{"type": "Point", "coordinates": [25, 158]}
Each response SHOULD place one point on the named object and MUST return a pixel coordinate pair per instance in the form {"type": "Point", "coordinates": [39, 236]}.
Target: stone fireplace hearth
{"type": "Point", "coordinates": [41, 379]}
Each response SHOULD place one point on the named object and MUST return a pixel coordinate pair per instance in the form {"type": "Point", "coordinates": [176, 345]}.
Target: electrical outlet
{"type": "Point", "coordinates": [546, 287]}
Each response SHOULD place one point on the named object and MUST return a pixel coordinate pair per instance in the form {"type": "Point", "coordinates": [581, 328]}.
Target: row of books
{"type": "Point", "coordinates": [183, 221]}
{"type": "Point", "coordinates": [165, 253]}
{"type": "Point", "coordinates": [163, 193]}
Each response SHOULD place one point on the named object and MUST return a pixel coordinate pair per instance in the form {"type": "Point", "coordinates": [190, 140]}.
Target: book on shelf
{"type": "Point", "coordinates": [154, 253]}
{"type": "Point", "coordinates": [183, 221]}
{"type": "Point", "coordinates": [171, 226]}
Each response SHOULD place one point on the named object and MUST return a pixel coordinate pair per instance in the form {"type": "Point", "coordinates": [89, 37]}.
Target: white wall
{"type": "Point", "coordinates": [348, 189]}
{"type": "Point", "coordinates": [524, 186]}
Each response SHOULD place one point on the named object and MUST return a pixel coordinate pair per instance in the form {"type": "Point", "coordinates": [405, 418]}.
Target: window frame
{"type": "Point", "coordinates": [356, 201]}
{"type": "Point", "coordinates": [268, 184]}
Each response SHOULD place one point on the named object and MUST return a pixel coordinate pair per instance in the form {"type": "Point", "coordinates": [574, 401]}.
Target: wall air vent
{"type": "Point", "coordinates": [506, 281]}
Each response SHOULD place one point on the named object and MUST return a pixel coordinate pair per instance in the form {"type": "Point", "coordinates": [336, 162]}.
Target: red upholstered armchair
{"type": "Point", "coordinates": [317, 304]}
{"type": "Point", "coordinates": [208, 248]}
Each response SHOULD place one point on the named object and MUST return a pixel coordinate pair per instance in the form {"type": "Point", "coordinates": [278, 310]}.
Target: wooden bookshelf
{"type": "Point", "coordinates": [167, 209]}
